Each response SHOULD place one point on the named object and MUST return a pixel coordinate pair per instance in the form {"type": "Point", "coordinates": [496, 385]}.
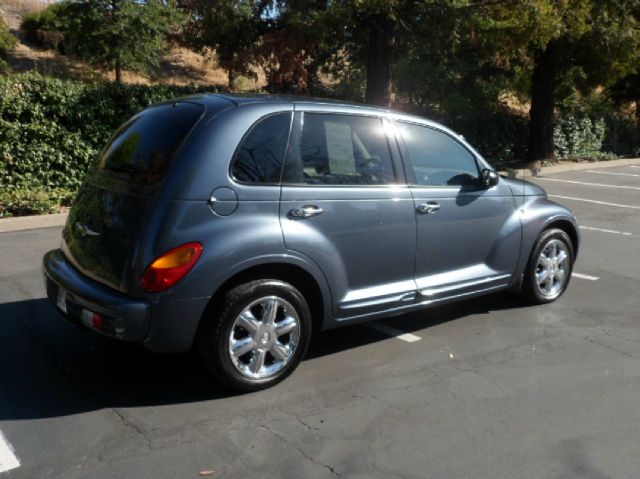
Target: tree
{"type": "Point", "coordinates": [279, 36]}
{"type": "Point", "coordinates": [230, 27]}
{"type": "Point", "coordinates": [119, 34]}
{"type": "Point", "coordinates": [581, 43]}
{"type": "Point", "coordinates": [290, 47]}
{"type": "Point", "coordinates": [364, 35]}
{"type": "Point", "coordinates": [545, 49]}
{"type": "Point", "coordinates": [459, 62]}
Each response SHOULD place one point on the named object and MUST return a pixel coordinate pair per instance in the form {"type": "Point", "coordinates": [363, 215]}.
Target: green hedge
{"type": "Point", "coordinates": [51, 131]}
{"type": "Point", "coordinates": [579, 137]}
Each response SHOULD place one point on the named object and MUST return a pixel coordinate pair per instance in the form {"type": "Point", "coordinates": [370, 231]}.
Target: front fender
{"type": "Point", "coordinates": [539, 213]}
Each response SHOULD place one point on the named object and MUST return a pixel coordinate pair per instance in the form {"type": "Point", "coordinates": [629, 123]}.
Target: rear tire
{"type": "Point", "coordinates": [549, 269]}
{"type": "Point", "coordinates": [257, 336]}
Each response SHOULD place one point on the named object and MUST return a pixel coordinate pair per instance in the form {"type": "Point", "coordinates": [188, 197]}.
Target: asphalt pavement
{"type": "Point", "coordinates": [486, 388]}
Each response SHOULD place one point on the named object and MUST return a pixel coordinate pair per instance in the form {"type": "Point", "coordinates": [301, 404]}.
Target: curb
{"type": "Point", "coordinates": [550, 170]}
{"type": "Point", "coordinates": [21, 223]}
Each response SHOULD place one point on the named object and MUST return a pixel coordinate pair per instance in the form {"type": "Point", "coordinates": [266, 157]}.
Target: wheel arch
{"type": "Point", "coordinates": [541, 215]}
{"type": "Point", "coordinates": [316, 294]}
{"type": "Point", "coordinates": [569, 228]}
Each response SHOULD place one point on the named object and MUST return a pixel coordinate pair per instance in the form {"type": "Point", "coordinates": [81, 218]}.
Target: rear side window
{"type": "Point", "coordinates": [437, 158]}
{"type": "Point", "coordinates": [260, 156]}
{"type": "Point", "coordinates": [341, 150]}
{"type": "Point", "coordinates": [143, 148]}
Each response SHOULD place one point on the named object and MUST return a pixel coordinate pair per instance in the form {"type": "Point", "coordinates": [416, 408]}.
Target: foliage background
{"type": "Point", "coordinates": [525, 81]}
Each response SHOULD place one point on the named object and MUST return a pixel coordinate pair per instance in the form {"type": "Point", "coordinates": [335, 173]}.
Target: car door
{"type": "Point", "coordinates": [345, 205]}
{"type": "Point", "coordinates": [468, 236]}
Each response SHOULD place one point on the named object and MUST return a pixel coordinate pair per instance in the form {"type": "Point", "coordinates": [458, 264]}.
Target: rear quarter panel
{"type": "Point", "coordinates": [251, 233]}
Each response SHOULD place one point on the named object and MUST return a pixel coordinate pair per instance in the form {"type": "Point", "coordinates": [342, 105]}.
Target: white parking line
{"type": "Point", "coordinates": [393, 332]}
{"type": "Point", "coordinates": [621, 187]}
{"type": "Point", "coordinates": [611, 173]}
{"type": "Point", "coordinates": [8, 459]}
{"type": "Point", "coordinates": [585, 276]}
{"type": "Point", "coordinates": [603, 230]}
{"type": "Point", "coordinates": [596, 202]}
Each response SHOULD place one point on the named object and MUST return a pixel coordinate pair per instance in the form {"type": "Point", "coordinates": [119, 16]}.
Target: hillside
{"type": "Point", "coordinates": [180, 66]}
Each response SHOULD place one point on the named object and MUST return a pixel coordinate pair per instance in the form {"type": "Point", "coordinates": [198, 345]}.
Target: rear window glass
{"type": "Point", "coordinates": [143, 148]}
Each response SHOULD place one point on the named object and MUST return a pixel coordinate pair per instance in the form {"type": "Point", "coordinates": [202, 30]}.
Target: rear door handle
{"type": "Point", "coordinates": [428, 208]}
{"type": "Point", "coordinates": [306, 211]}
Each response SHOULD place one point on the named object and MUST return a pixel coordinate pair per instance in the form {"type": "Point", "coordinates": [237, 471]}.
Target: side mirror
{"type": "Point", "coordinates": [488, 178]}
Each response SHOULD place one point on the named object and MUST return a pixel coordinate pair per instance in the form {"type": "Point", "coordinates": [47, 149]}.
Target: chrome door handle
{"type": "Point", "coordinates": [428, 208]}
{"type": "Point", "coordinates": [305, 212]}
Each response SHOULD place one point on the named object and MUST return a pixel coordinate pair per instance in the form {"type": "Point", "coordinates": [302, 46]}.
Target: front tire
{"type": "Point", "coordinates": [549, 269]}
{"type": "Point", "coordinates": [258, 336]}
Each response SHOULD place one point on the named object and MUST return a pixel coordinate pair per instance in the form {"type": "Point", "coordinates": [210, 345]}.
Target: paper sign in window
{"type": "Point", "coordinates": [340, 148]}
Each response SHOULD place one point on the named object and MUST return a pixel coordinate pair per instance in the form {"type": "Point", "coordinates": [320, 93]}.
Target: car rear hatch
{"type": "Point", "coordinates": [107, 223]}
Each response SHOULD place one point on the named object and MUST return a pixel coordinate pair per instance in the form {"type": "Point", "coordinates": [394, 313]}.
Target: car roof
{"type": "Point", "coordinates": [244, 98]}
{"type": "Point", "coordinates": [239, 99]}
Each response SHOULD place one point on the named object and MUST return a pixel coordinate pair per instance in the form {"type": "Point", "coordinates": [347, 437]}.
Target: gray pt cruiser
{"type": "Point", "coordinates": [237, 225]}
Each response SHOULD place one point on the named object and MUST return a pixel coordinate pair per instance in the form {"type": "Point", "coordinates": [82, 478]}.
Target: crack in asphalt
{"type": "Point", "coordinates": [386, 472]}
{"type": "Point", "coordinates": [329, 468]}
{"type": "Point", "coordinates": [297, 418]}
{"type": "Point", "coordinates": [130, 425]}
{"type": "Point", "coordinates": [606, 346]}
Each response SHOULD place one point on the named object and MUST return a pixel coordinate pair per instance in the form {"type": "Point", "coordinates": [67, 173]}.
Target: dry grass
{"type": "Point", "coordinates": [24, 6]}
{"type": "Point", "coordinates": [13, 10]}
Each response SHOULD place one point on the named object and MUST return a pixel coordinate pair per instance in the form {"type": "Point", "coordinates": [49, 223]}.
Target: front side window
{"type": "Point", "coordinates": [437, 158]}
{"type": "Point", "coordinates": [260, 156]}
{"type": "Point", "coordinates": [341, 150]}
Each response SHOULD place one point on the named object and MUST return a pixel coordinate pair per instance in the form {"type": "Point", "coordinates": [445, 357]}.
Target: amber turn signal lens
{"type": "Point", "coordinates": [170, 268]}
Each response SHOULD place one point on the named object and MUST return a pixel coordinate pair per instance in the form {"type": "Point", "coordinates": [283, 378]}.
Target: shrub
{"type": "Point", "coordinates": [578, 137]}
{"type": "Point", "coordinates": [4, 67]}
{"type": "Point", "coordinates": [22, 202]}
{"type": "Point", "coordinates": [44, 27]}
{"type": "Point", "coordinates": [623, 134]}
{"type": "Point", "coordinates": [7, 40]}
{"type": "Point", "coordinates": [31, 23]}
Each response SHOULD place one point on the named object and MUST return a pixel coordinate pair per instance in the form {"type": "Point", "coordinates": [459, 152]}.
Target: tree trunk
{"type": "Point", "coordinates": [118, 72]}
{"type": "Point", "coordinates": [378, 86]}
{"type": "Point", "coordinates": [115, 6]}
{"type": "Point", "coordinates": [542, 105]}
{"type": "Point", "coordinates": [231, 78]}
{"type": "Point", "coordinates": [638, 114]}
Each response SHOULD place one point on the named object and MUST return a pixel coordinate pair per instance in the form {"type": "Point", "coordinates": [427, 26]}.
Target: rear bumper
{"type": "Point", "coordinates": [123, 317]}
{"type": "Point", "coordinates": [165, 325]}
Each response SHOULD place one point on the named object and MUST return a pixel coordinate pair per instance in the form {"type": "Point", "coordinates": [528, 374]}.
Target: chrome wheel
{"type": "Point", "coordinates": [552, 268]}
{"type": "Point", "coordinates": [264, 337]}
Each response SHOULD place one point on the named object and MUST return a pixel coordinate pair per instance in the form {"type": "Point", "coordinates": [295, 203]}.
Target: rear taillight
{"type": "Point", "coordinates": [170, 268]}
